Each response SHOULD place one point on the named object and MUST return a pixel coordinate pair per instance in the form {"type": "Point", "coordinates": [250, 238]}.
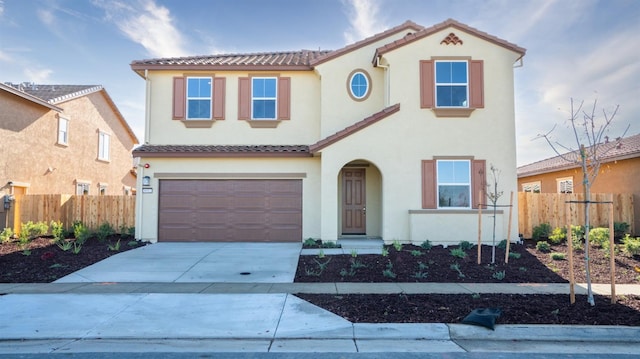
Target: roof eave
{"type": "Point", "coordinates": [140, 68]}
{"type": "Point", "coordinates": [31, 98]}
{"type": "Point", "coordinates": [569, 166]}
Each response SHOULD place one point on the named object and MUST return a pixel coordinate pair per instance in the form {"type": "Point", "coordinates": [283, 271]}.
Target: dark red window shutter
{"type": "Point", "coordinates": [478, 182]}
{"type": "Point", "coordinates": [429, 190]}
{"type": "Point", "coordinates": [284, 98]}
{"type": "Point", "coordinates": [179, 98]}
{"type": "Point", "coordinates": [427, 98]}
{"type": "Point", "coordinates": [476, 84]}
{"type": "Point", "coordinates": [244, 98]}
{"type": "Point", "coordinates": [219, 88]}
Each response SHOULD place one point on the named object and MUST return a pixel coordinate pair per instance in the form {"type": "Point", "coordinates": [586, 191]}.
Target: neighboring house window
{"type": "Point", "coordinates": [533, 187]}
{"type": "Point", "coordinates": [452, 88]}
{"type": "Point", "coordinates": [359, 85]}
{"type": "Point", "coordinates": [565, 185]}
{"type": "Point", "coordinates": [263, 98]}
{"type": "Point", "coordinates": [126, 190]}
{"type": "Point", "coordinates": [190, 99]}
{"type": "Point", "coordinates": [82, 188]}
{"type": "Point", "coordinates": [451, 84]}
{"type": "Point", "coordinates": [199, 92]}
{"type": "Point", "coordinates": [103, 146]}
{"type": "Point", "coordinates": [63, 131]}
{"type": "Point", "coordinates": [453, 183]}
{"type": "Point", "coordinates": [102, 188]}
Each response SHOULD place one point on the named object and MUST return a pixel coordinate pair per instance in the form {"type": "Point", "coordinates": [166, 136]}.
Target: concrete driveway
{"type": "Point", "coordinates": [196, 262]}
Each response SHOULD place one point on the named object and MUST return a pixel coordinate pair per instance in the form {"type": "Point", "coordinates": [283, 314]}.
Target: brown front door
{"type": "Point", "coordinates": [353, 201]}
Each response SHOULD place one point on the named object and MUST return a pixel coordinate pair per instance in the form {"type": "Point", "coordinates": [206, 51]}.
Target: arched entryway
{"type": "Point", "coordinates": [359, 200]}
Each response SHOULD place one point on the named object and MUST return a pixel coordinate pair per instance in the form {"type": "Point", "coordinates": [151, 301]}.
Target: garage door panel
{"type": "Point", "coordinates": [230, 210]}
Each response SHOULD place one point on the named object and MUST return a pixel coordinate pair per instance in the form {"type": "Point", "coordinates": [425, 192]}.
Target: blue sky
{"type": "Point", "coordinates": [582, 49]}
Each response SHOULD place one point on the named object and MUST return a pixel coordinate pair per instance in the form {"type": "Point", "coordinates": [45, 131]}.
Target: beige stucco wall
{"type": "Point", "coordinates": [221, 168]}
{"type": "Point", "coordinates": [29, 146]}
{"type": "Point", "coordinates": [303, 128]}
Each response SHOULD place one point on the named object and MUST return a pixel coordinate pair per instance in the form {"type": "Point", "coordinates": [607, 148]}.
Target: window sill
{"type": "Point", "coordinates": [198, 123]}
{"type": "Point", "coordinates": [264, 123]}
{"type": "Point", "coordinates": [453, 112]}
{"type": "Point", "coordinates": [103, 160]}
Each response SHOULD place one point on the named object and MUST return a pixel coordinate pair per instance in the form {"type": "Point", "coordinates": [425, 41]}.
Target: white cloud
{"type": "Point", "coordinates": [38, 75]}
{"type": "Point", "coordinates": [46, 16]}
{"type": "Point", "coordinates": [1, 7]}
{"type": "Point", "coordinates": [5, 57]}
{"type": "Point", "coordinates": [147, 24]}
{"type": "Point", "coordinates": [364, 20]}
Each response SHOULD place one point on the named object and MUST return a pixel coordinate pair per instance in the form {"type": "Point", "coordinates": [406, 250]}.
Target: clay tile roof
{"type": "Point", "coordinates": [13, 89]}
{"type": "Point", "coordinates": [291, 60]}
{"type": "Point", "coordinates": [221, 151]}
{"type": "Point", "coordinates": [626, 148]}
{"type": "Point", "coordinates": [56, 93]}
{"type": "Point", "coordinates": [406, 26]}
{"type": "Point", "coordinates": [443, 25]}
{"type": "Point", "coordinates": [354, 128]}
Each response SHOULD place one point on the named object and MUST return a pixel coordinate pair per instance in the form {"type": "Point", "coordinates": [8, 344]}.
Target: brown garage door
{"type": "Point", "coordinates": [230, 210]}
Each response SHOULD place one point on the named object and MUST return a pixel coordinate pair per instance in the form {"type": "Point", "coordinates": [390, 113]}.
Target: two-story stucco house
{"type": "Point", "coordinates": [63, 139]}
{"type": "Point", "coordinates": [390, 137]}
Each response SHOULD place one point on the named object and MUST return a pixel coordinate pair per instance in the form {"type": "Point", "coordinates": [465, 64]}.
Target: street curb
{"type": "Point", "coordinates": [538, 332]}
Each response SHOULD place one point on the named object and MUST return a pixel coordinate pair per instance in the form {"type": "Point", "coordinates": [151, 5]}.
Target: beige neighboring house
{"type": "Point", "coordinates": [63, 139]}
{"type": "Point", "coordinates": [619, 173]}
{"type": "Point", "coordinates": [390, 137]}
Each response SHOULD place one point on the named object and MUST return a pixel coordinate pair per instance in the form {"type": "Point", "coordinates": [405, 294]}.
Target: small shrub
{"type": "Point", "coordinates": [354, 253]}
{"type": "Point", "coordinates": [114, 247]}
{"type": "Point", "coordinates": [321, 254]}
{"type": "Point", "coordinates": [456, 267]}
{"type": "Point", "coordinates": [514, 255]}
{"type": "Point", "coordinates": [344, 272]}
{"type": "Point", "coordinates": [385, 252]}
{"type": "Point", "coordinates": [577, 232]}
{"type": "Point", "coordinates": [132, 243]}
{"type": "Point", "coordinates": [465, 245]}
{"type": "Point", "coordinates": [322, 265]}
{"type": "Point", "coordinates": [32, 230]}
{"type": "Point", "coordinates": [64, 244]}
{"type": "Point", "coordinates": [543, 230]}
{"type": "Point", "coordinates": [77, 247]}
{"type": "Point", "coordinates": [309, 242]}
{"type": "Point", "coordinates": [543, 246]}
{"type": "Point", "coordinates": [620, 229]}
{"type": "Point", "coordinates": [397, 245]}
{"type": "Point", "coordinates": [420, 275]}
{"type": "Point", "coordinates": [458, 253]}
{"type": "Point", "coordinates": [356, 264]}
{"type": "Point", "coordinates": [58, 231]}
{"type": "Point", "coordinates": [80, 232]}
{"type": "Point", "coordinates": [6, 235]}
{"type": "Point", "coordinates": [557, 256]}
{"type": "Point", "coordinates": [105, 230]}
{"type": "Point", "coordinates": [426, 244]}
{"type": "Point", "coordinates": [499, 275]}
{"type": "Point", "coordinates": [503, 244]}
{"type": "Point", "coordinates": [630, 245]}
{"type": "Point", "coordinates": [558, 235]}
{"type": "Point", "coordinates": [388, 272]}
{"type": "Point", "coordinates": [599, 237]}
{"type": "Point", "coordinates": [416, 253]}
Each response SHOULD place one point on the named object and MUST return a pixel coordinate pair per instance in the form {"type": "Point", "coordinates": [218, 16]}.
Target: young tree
{"type": "Point", "coordinates": [493, 195]}
{"type": "Point", "coordinates": [593, 144]}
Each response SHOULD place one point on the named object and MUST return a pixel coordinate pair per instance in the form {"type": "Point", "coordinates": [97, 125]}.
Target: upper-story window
{"type": "Point", "coordinates": [454, 183]}
{"type": "Point", "coordinates": [199, 91]}
{"type": "Point", "coordinates": [565, 185]}
{"type": "Point", "coordinates": [82, 188]}
{"type": "Point", "coordinates": [264, 95]}
{"type": "Point", "coordinates": [103, 146]}
{"type": "Point", "coordinates": [452, 83]}
{"type": "Point", "coordinates": [359, 85]}
{"type": "Point", "coordinates": [63, 131]}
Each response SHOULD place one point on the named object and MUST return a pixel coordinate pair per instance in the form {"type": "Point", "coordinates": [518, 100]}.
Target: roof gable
{"type": "Point", "coordinates": [626, 148]}
{"type": "Point", "coordinates": [409, 38]}
{"type": "Point", "coordinates": [10, 89]}
{"type": "Point", "coordinates": [55, 94]}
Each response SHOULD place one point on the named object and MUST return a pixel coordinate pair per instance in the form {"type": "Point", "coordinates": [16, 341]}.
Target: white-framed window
{"type": "Point", "coordinates": [264, 95]}
{"type": "Point", "coordinates": [565, 185]}
{"type": "Point", "coordinates": [102, 188]}
{"type": "Point", "coordinates": [533, 187]}
{"type": "Point", "coordinates": [452, 83]}
{"type": "Point", "coordinates": [199, 91]}
{"type": "Point", "coordinates": [454, 183]}
{"type": "Point", "coordinates": [104, 140]}
{"type": "Point", "coordinates": [126, 190]}
{"type": "Point", "coordinates": [359, 85]}
{"type": "Point", "coordinates": [63, 131]}
{"type": "Point", "coordinates": [82, 188]}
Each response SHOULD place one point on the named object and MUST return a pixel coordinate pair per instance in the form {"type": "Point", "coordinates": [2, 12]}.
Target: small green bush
{"type": "Point", "coordinates": [558, 235]}
{"type": "Point", "coordinates": [416, 253]}
{"type": "Point", "coordinates": [426, 244]}
{"type": "Point", "coordinates": [309, 242]}
{"type": "Point", "coordinates": [499, 275]}
{"type": "Point", "coordinates": [105, 230]}
{"type": "Point", "coordinates": [397, 245]}
{"type": "Point", "coordinates": [620, 229]}
{"type": "Point", "coordinates": [630, 245]}
{"type": "Point", "coordinates": [599, 237]}
{"type": "Point", "coordinates": [543, 246]}
{"type": "Point", "coordinates": [465, 245]}
{"type": "Point", "coordinates": [514, 255]}
{"type": "Point", "coordinates": [541, 231]}
{"type": "Point", "coordinates": [503, 244]}
{"type": "Point", "coordinates": [32, 230]}
{"type": "Point", "coordinates": [557, 256]}
{"type": "Point", "coordinates": [458, 252]}
{"type": "Point", "coordinates": [577, 232]}
{"type": "Point", "coordinates": [58, 231]}
{"type": "Point", "coordinates": [80, 232]}
{"type": "Point", "coordinates": [6, 235]}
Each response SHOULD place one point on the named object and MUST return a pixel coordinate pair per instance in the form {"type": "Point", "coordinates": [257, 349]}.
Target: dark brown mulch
{"type": "Point", "coordinates": [415, 264]}
{"type": "Point", "coordinates": [42, 261]}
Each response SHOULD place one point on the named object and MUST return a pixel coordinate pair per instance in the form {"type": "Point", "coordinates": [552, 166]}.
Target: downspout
{"type": "Point", "coordinates": [386, 82]}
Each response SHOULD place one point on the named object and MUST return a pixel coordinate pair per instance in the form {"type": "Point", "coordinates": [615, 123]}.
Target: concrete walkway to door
{"type": "Point", "coordinates": [233, 262]}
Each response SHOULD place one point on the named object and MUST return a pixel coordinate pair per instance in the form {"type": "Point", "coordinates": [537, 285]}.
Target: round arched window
{"type": "Point", "coordinates": [359, 85]}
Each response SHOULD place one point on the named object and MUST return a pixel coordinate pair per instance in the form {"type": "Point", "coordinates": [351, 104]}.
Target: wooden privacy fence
{"type": "Point", "coordinates": [92, 211]}
{"type": "Point", "coordinates": [537, 208]}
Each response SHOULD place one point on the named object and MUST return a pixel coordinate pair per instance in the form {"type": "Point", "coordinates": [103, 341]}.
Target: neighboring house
{"type": "Point", "coordinates": [390, 137]}
{"type": "Point", "coordinates": [63, 139]}
{"type": "Point", "coordinates": [619, 172]}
